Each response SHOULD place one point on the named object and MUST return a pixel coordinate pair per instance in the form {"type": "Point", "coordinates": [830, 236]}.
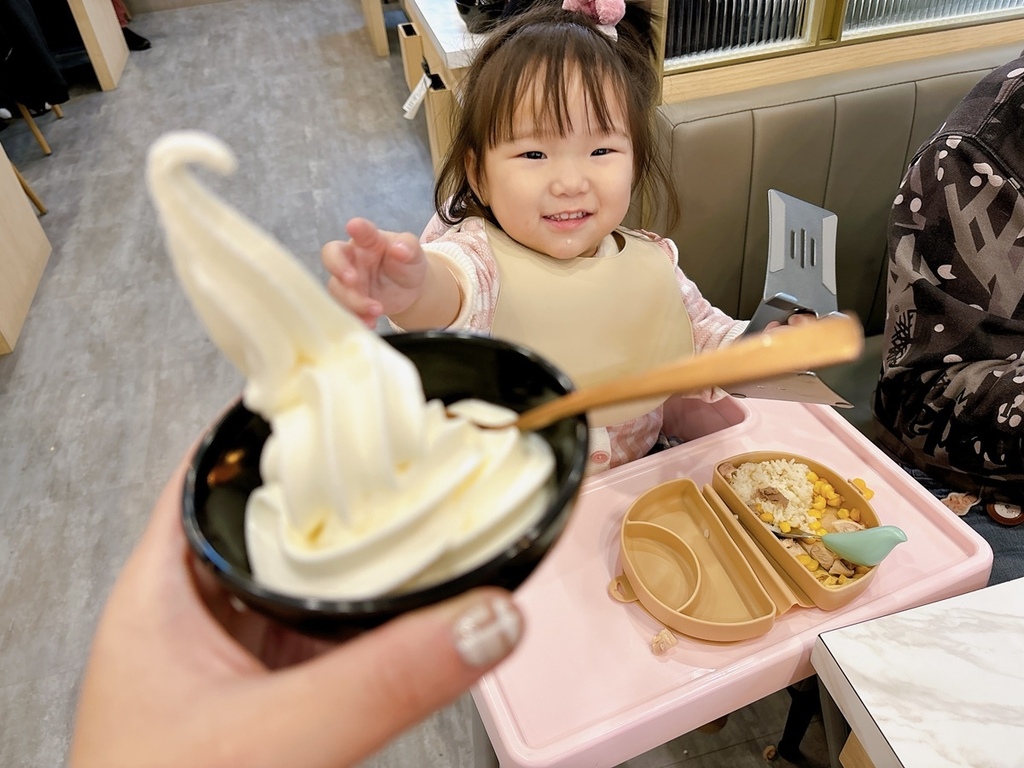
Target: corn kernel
{"type": "Point", "coordinates": [834, 501]}
{"type": "Point", "coordinates": [860, 570]}
{"type": "Point", "coordinates": [767, 517]}
{"type": "Point", "coordinates": [812, 476]}
{"type": "Point", "coordinates": [818, 503]}
{"type": "Point", "coordinates": [815, 525]}
{"type": "Point", "coordinates": [814, 512]}
{"type": "Point", "coordinates": [808, 562]}
{"type": "Point", "coordinates": [785, 527]}
{"type": "Point", "coordinates": [861, 486]}
{"type": "Point", "coordinates": [855, 515]}
{"type": "Point", "coordinates": [827, 489]}
{"type": "Point", "coordinates": [843, 514]}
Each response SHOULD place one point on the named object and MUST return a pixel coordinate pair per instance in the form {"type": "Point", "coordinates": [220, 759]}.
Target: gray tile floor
{"type": "Point", "coordinates": [113, 376]}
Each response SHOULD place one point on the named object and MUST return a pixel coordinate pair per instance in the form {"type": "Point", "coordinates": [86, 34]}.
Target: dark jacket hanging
{"type": "Point", "coordinates": [28, 71]}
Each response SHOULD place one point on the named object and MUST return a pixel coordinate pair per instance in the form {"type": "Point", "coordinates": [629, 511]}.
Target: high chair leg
{"type": "Point", "coordinates": [30, 192]}
{"type": "Point", "coordinates": [57, 111]}
{"type": "Point", "coordinates": [35, 129]}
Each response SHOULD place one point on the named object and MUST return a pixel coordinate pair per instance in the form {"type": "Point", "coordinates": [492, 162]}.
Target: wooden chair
{"type": "Point", "coordinates": [27, 115]}
{"type": "Point", "coordinates": [36, 200]}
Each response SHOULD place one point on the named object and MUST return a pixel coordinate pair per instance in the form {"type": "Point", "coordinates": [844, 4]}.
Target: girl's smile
{"type": "Point", "coordinates": [568, 222]}
{"type": "Point", "coordinates": [567, 216]}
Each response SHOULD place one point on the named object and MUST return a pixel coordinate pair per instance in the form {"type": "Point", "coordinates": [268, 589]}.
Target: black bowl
{"type": "Point", "coordinates": [452, 366]}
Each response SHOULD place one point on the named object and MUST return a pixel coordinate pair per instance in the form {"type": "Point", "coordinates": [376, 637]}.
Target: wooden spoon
{"type": "Point", "coordinates": [792, 348]}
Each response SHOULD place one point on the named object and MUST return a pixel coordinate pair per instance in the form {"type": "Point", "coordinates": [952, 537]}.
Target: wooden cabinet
{"type": "Point", "coordinates": [24, 251]}
{"type": "Point", "coordinates": [435, 42]}
{"type": "Point", "coordinates": [104, 41]}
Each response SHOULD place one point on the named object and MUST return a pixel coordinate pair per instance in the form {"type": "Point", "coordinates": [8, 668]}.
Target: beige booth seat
{"type": "Point", "coordinates": [839, 141]}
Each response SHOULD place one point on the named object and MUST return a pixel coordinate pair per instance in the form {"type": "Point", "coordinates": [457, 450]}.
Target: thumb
{"type": "Point", "coordinates": [351, 701]}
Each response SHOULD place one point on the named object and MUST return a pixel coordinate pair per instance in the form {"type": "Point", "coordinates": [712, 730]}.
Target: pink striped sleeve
{"type": "Point", "coordinates": [467, 253]}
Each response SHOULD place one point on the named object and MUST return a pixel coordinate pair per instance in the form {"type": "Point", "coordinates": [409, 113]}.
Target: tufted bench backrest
{"type": "Point", "coordinates": [839, 141]}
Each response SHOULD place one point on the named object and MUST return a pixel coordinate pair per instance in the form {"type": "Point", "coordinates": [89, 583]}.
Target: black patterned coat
{"type": "Point", "coordinates": [951, 394]}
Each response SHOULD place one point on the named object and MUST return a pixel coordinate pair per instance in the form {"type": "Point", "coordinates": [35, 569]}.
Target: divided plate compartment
{"type": "Point", "coordinates": [826, 598]}
{"type": "Point", "coordinates": [683, 566]}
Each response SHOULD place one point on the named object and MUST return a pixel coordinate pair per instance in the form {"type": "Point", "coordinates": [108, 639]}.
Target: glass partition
{"type": "Point", "coordinates": [712, 32]}
{"type": "Point", "coordinates": [698, 28]}
{"type": "Point", "coordinates": [866, 17]}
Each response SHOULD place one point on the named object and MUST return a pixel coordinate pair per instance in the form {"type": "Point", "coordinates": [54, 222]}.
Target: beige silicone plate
{"type": "Point", "coordinates": [826, 598]}
{"type": "Point", "coordinates": [684, 568]}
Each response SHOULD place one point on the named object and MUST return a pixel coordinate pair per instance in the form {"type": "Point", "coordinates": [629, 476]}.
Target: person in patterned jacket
{"type": "Point", "coordinates": [951, 394]}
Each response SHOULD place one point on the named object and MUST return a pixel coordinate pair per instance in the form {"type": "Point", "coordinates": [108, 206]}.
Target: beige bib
{"type": "Point", "coordinates": [595, 318]}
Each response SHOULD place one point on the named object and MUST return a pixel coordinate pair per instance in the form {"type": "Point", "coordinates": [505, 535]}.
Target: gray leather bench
{"type": "Point", "coordinates": [839, 141]}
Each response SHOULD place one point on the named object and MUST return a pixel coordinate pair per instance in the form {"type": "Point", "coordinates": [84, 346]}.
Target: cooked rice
{"type": "Point", "coordinates": [785, 475]}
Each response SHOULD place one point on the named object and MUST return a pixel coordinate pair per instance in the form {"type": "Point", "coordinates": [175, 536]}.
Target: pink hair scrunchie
{"type": "Point", "coordinates": [607, 13]}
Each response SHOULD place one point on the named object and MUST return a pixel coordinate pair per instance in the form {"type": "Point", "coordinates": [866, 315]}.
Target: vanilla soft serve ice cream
{"type": "Point", "coordinates": [367, 487]}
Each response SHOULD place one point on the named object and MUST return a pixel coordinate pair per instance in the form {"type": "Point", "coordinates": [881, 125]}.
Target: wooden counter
{"type": "Point", "coordinates": [24, 251]}
{"type": "Point", "coordinates": [104, 41]}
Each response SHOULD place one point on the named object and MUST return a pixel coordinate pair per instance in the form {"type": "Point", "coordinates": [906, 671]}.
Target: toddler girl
{"type": "Point", "coordinates": [555, 137]}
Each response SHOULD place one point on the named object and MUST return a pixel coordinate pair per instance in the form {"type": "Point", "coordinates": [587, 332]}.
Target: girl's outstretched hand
{"type": "Point", "coordinates": [376, 272]}
{"type": "Point", "coordinates": [797, 318]}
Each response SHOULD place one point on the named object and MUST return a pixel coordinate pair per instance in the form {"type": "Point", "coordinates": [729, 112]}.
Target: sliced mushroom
{"type": "Point", "coordinates": [821, 553]}
{"type": "Point", "coordinates": [846, 526]}
{"type": "Point", "coordinates": [792, 546]}
{"type": "Point", "coordinates": [839, 568]}
{"type": "Point", "coordinates": [772, 496]}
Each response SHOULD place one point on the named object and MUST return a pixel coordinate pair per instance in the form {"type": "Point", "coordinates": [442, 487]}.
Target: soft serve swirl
{"type": "Point", "coordinates": [367, 487]}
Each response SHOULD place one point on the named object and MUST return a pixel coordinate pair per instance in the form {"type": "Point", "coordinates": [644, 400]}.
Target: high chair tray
{"type": "Point", "coordinates": [584, 688]}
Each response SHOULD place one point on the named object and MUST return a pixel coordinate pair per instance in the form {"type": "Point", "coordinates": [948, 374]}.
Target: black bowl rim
{"type": "Point", "coordinates": [314, 608]}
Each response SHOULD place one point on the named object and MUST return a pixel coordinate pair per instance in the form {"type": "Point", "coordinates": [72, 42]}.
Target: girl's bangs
{"type": "Point", "coordinates": [535, 90]}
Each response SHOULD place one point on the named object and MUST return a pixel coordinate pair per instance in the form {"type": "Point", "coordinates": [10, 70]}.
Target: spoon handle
{"type": "Point", "coordinates": [831, 340]}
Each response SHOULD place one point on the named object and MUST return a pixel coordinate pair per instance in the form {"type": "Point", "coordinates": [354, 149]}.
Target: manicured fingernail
{"type": "Point", "coordinates": [488, 631]}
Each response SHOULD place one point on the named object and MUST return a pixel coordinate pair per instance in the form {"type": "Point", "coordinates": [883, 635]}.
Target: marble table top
{"type": "Point", "coordinates": [937, 686]}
